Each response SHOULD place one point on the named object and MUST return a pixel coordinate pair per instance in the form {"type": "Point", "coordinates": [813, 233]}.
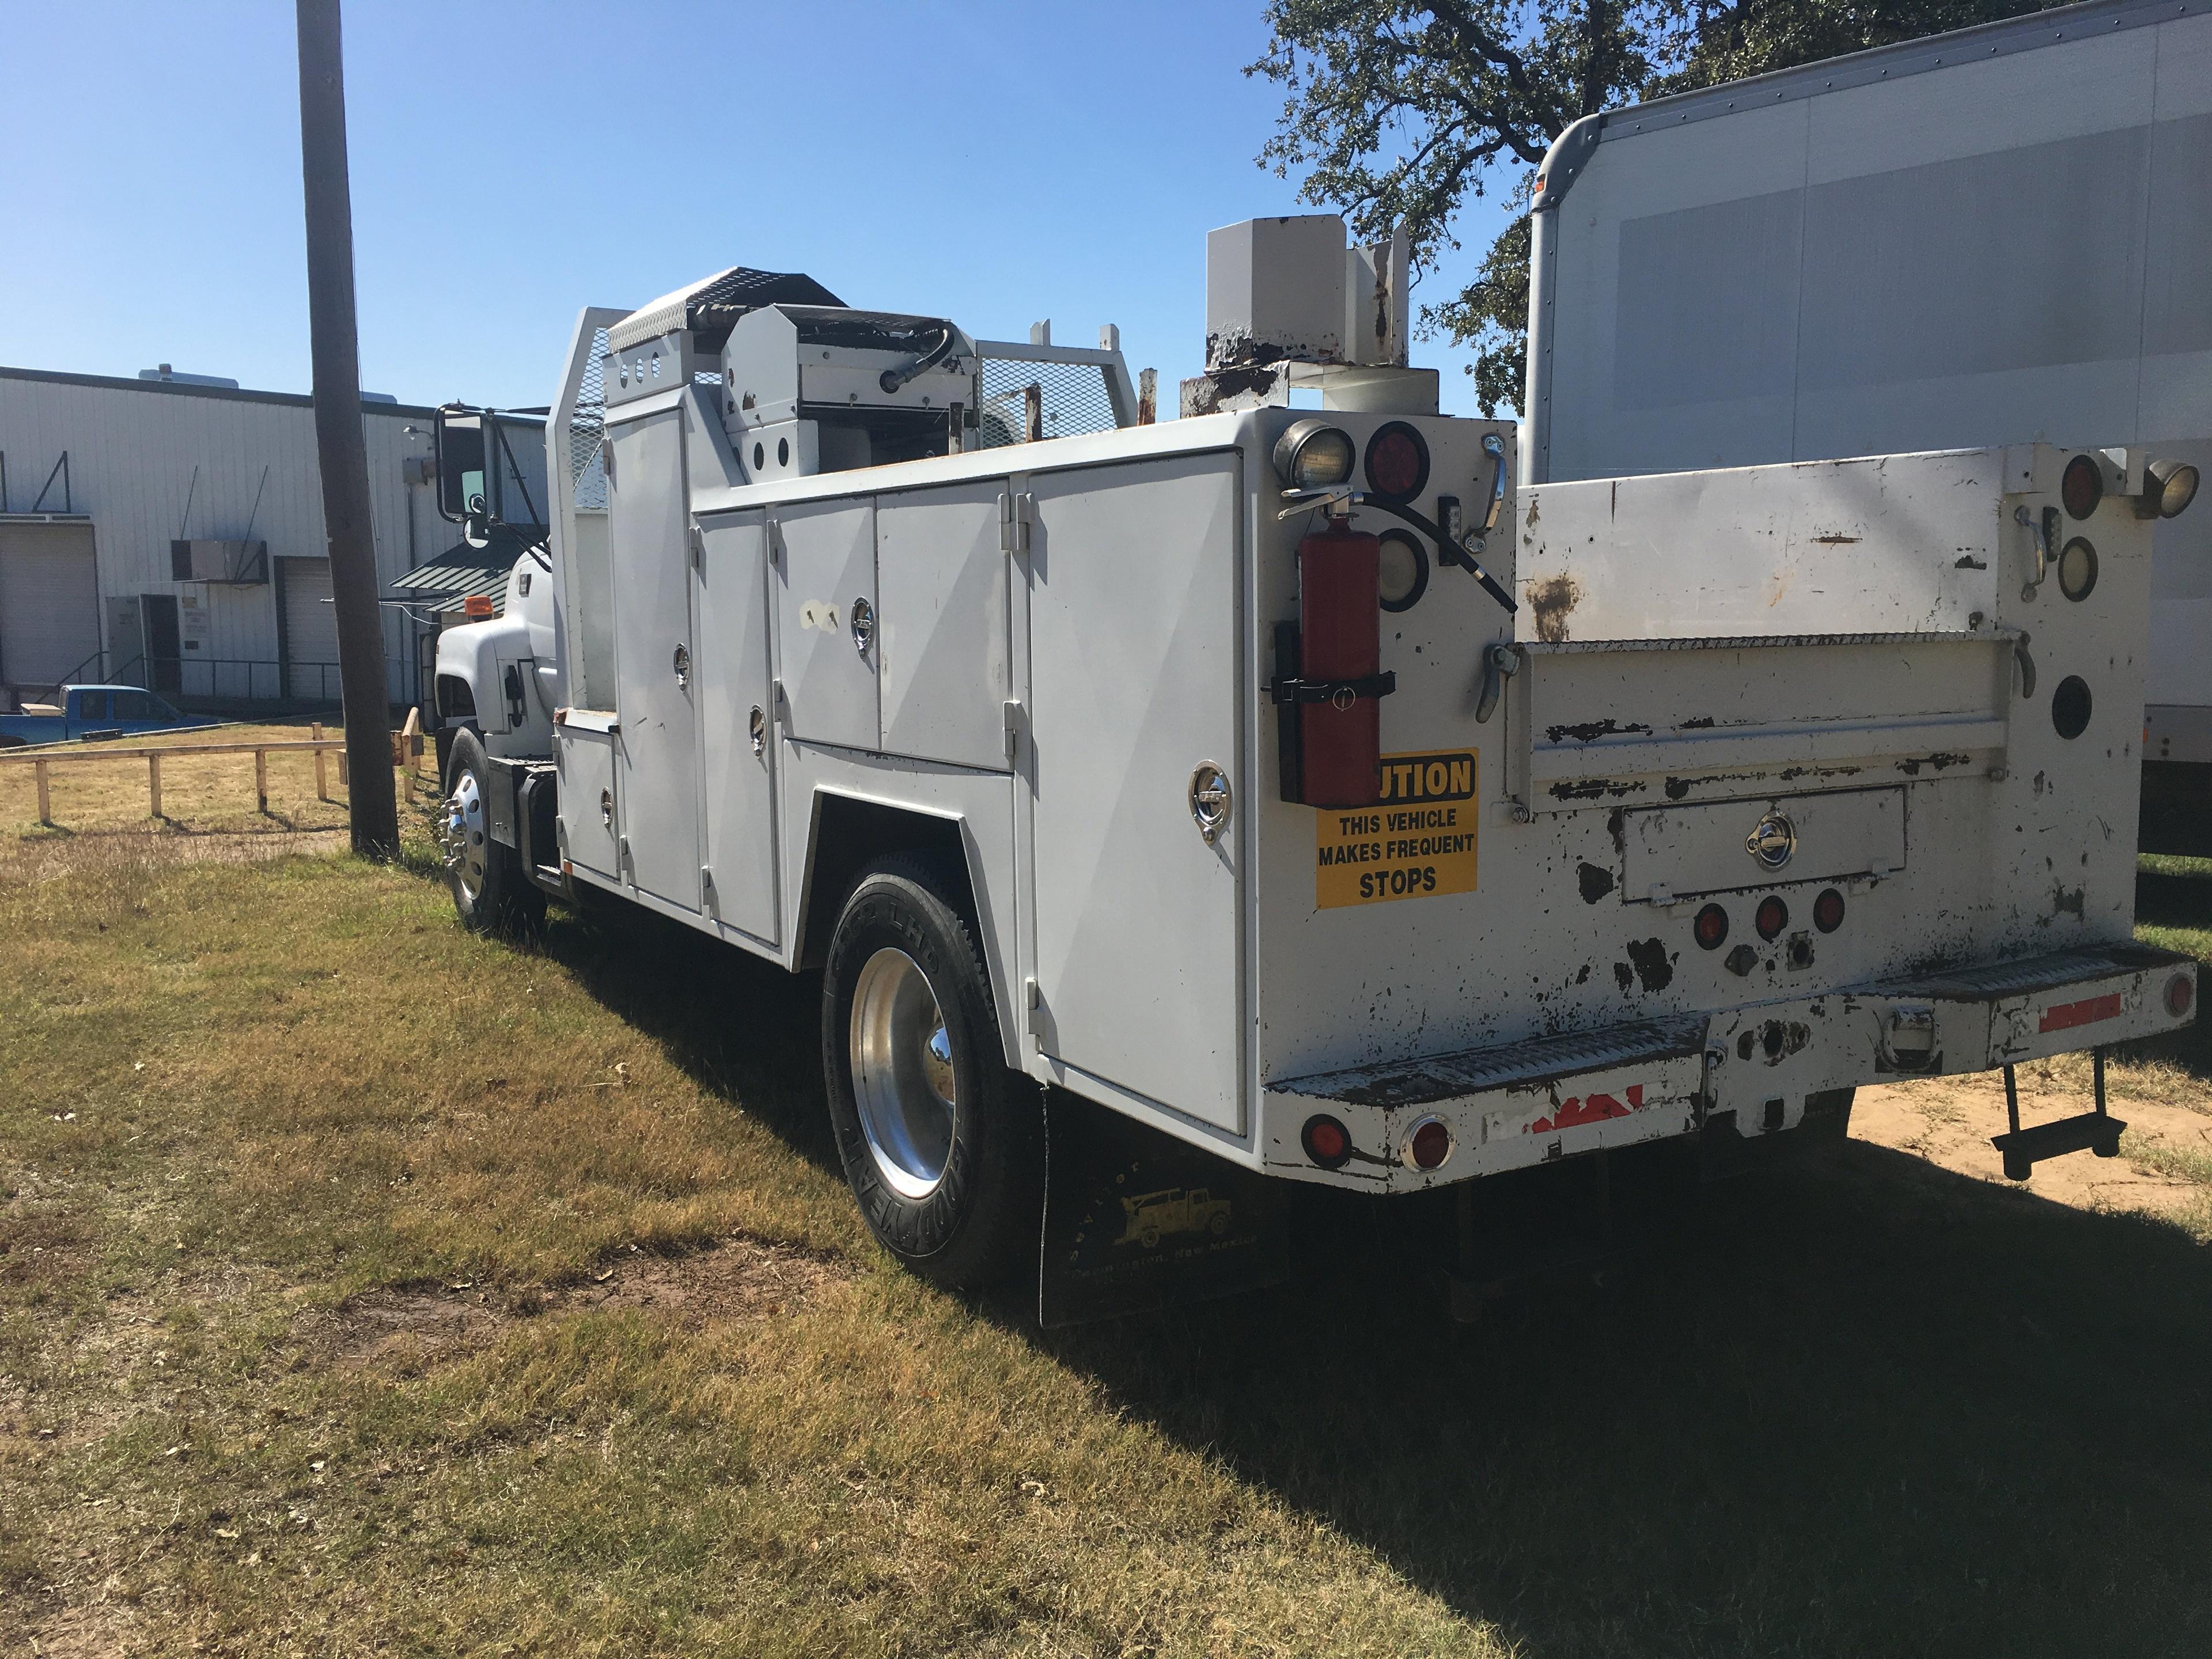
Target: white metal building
{"type": "Point", "coordinates": [170, 534]}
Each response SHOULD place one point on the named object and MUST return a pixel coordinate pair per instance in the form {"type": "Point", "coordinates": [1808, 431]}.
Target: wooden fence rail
{"type": "Point", "coordinates": [406, 751]}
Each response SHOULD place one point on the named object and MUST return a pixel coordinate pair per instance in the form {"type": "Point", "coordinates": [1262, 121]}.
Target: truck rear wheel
{"type": "Point", "coordinates": [942, 1144]}
{"type": "Point", "coordinates": [491, 891]}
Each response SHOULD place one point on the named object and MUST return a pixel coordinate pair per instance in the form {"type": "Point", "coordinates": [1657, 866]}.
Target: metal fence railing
{"type": "Point", "coordinates": [235, 679]}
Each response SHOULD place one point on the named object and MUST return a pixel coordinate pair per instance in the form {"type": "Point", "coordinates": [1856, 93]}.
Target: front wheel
{"type": "Point", "coordinates": [942, 1144]}
{"type": "Point", "coordinates": [491, 891]}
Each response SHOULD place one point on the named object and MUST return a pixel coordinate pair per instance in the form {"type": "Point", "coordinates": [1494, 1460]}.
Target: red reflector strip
{"type": "Point", "coordinates": [2066, 1015]}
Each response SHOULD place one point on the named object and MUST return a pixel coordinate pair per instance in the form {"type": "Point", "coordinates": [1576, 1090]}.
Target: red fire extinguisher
{"type": "Point", "coordinates": [1328, 682]}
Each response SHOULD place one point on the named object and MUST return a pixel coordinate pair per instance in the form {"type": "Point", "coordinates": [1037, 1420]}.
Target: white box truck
{"type": "Point", "coordinates": [1289, 781]}
{"type": "Point", "coordinates": [2001, 235]}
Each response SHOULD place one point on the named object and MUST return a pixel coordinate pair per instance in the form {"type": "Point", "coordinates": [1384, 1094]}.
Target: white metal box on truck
{"type": "Point", "coordinates": [1213, 772]}
{"type": "Point", "coordinates": [1998, 236]}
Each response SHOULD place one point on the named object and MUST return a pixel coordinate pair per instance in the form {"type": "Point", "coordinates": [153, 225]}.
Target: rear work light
{"type": "Point", "coordinates": [2168, 489]}
{"type": "Point", "coordinates": [1313, 455]}
{"type": "Point", "coordinates": [1428, 1145]}
{"type": "Point", "coordinates": [2081, 486]}
{"type": "Point", "coordinates": [1328, 1142]}
{"type": "Point", "coordinates": [1710, 928]}
{"type": "Point", "coordinates": [1772, 916]}
{"type": "Point", "coordinates": [1828, 911]}
{"type": "Point", "coordinates": [2181, 995]}
{"type": "Point", "coordinates": [1397, 462]}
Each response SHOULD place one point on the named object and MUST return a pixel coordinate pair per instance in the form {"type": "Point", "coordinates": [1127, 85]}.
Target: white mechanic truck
{"type": "Point", "coordinates": [1289, 780]}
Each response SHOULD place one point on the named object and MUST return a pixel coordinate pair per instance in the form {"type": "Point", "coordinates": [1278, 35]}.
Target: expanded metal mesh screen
{"type": "Point", "coordinates": [1022, 400]}
{"type": "Point", "coordinates": [587, 426]}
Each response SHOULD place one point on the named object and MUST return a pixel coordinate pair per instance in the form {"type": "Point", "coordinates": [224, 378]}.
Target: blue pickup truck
{"type": "Point", "coordinates": [92, 711]}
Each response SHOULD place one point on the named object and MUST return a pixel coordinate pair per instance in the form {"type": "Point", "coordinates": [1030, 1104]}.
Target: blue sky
{"type": "Point", "coordinates": [511, 162]}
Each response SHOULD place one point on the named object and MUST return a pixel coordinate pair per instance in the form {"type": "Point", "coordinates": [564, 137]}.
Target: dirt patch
{"type": "Point", "coordinates": [1550, 601]}
{"type": "Point", "coordinates": [1949, 1121]}
{"type": "Point", "coordinates": [419, 1327]}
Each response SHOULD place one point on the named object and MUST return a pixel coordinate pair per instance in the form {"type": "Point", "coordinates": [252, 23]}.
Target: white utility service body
{"type": "Point", "coordinates": [1066, 646]}
{"type": "Point", "coordinates": [1999, 235]}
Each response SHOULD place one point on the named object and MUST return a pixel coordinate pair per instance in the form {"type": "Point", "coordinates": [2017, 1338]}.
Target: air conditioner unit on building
{"type": "Point", "coordinates": [241, 563]}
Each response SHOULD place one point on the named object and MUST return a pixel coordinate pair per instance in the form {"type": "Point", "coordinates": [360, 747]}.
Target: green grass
{"type": "Point", "coordinates": [368, 1287]}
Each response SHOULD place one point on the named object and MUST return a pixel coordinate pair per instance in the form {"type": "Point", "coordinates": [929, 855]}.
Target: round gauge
{"type": "Point", "coordinates": [1402, 571]}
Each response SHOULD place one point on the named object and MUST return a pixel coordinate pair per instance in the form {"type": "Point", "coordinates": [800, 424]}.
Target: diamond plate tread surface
{"type": "Point", "coordinates": [2020, 977]}
{"type": "Point", "coordinates": [1472, 1071]}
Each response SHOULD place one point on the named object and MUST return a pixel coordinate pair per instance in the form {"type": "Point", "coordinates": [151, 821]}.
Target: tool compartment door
{"type": "Point", "coordinates": [658, 751]}
{"type": "Point", "coordinates": [828, 569]}
{"type": "Point", "coordinates": [1134, 575]}
{"type": "Point", "coordinates": [737, 735]}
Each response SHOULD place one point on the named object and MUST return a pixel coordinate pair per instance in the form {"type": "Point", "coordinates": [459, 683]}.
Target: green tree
{"type": "Point", "coordinates": [1402, 112]}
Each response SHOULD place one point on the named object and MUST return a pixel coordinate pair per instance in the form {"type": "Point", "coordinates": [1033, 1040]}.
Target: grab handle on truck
{"type": "Point", "coordinates": [1494, 446]}
{"type": "Point", "coordinates": [2042, 531]}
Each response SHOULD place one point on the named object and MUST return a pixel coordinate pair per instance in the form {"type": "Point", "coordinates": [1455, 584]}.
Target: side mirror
{"type": "Point", "coordinates": [461, 470]}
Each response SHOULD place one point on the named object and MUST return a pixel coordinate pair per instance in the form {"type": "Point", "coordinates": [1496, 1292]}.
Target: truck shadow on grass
{"type": "Point", "coordinates": [742, 1029]}
{"type": "Point", "coordinates": [1863, 1407]}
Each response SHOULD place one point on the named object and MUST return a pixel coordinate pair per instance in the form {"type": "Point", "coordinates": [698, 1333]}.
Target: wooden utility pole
{"type": "Point", "coordinates": [338, 442]}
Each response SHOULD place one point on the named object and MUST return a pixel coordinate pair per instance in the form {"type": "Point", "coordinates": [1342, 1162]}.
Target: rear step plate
{"type": "Point", "coordinates": [2087, 1132]}
{"type": "Point", "coordinates": [1538, 1060]}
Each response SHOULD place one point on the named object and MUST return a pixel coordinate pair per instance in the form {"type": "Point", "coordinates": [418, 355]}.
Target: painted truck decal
{"type": "Point", "coordinates": [1593, 1109]}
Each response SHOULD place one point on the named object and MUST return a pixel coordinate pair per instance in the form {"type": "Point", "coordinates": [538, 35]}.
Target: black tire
{"type": "Point", "coordinates": [491, 892]}
{"type": "Point", "coordinates": [974, 1196]}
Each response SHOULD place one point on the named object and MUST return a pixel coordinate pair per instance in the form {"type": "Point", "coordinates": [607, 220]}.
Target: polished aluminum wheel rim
{"type": "Point", "coordinates": [903, 1080]}
{"type": "Point", "coordinates": [461, 835]}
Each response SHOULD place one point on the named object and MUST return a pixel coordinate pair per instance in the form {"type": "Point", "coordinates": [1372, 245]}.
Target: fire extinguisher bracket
{"type": "Point", "coordinates": [1341, 694]}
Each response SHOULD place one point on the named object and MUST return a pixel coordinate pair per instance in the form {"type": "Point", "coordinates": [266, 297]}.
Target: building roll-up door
{"type": "Point", "coordinates": [49, 605]}
{"type": "Point", "coordinates": [311, 632]}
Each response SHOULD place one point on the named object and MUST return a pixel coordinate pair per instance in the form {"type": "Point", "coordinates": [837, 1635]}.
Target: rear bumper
{"type": "Point", "coordinates": [1524, 1103]}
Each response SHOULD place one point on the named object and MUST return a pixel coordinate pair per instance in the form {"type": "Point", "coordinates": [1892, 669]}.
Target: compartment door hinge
{"type": "Point", "coordinates": [1014, 714]}
{"type": "Point", "coordinates": [1016, 514]}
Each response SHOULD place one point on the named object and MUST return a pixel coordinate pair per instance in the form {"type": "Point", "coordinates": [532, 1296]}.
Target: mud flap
{"type": "Point", "coordinates": [1136, 1220]}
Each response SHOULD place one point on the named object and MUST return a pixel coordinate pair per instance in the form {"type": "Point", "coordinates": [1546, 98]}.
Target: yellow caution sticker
{"type": "Point", "coordinates": [1418, 842]}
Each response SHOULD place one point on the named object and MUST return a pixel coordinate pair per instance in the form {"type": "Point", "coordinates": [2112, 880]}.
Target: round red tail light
{"type": "Point", "coordinates": [1397, 462]}
{"type": "Point", "coordinates": [1828, 911]}
{"type": "Point", "coordinates": [1328, 1142]}
{"type": "Point", "coordinates": [1429, 1144]}
{"type": "Point", "coordinates": [1710, 927]}
{"type": "Point", "coordinates": [2081, 486]}
{"type": "Point", "coordinates": [1772, 916]}
{"type": "Point", "coordinates": [2181, 995]}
